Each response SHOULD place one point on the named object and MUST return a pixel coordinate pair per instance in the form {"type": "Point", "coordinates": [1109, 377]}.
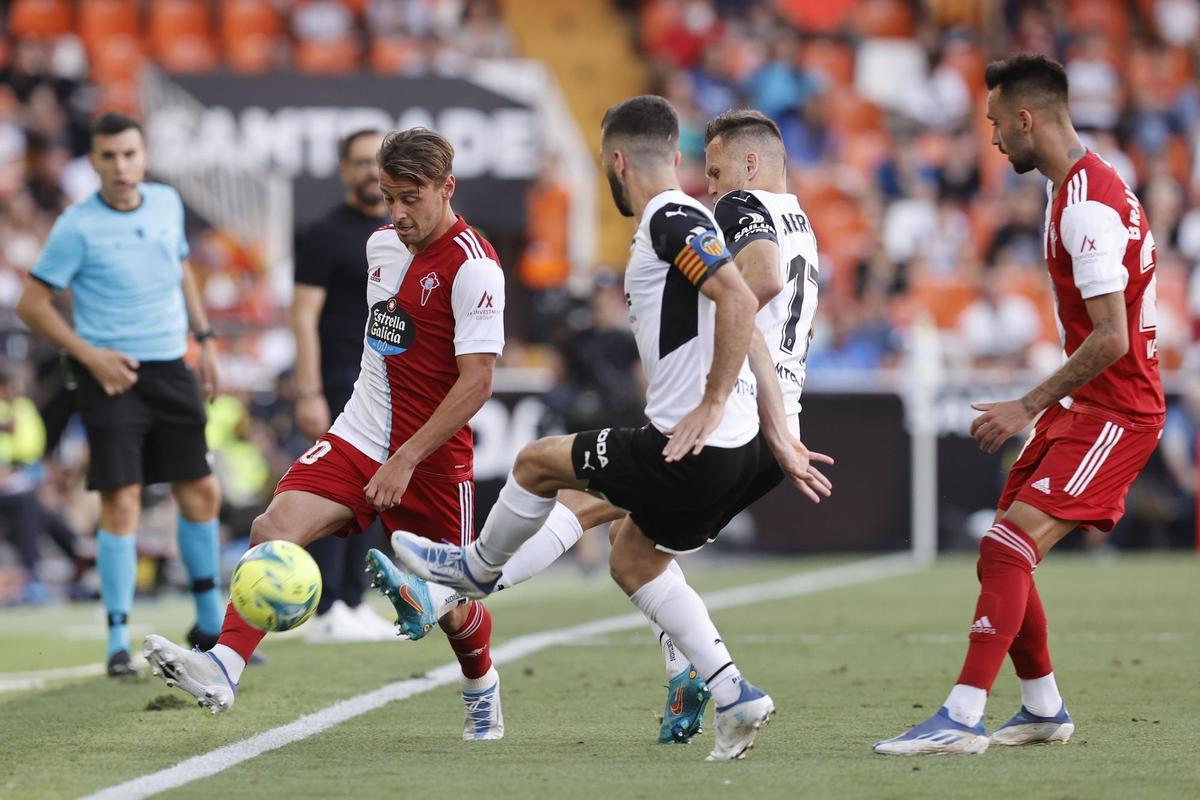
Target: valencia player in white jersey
{"type": "Point", "coordinates": [770, 237]}
{"type": "Point", "coordinates": [687, 471]}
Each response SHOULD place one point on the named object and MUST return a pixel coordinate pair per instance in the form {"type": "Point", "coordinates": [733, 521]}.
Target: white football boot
{"type": "Point", "coordinates": [738, 723]}
{"type": "Point", "coordinates": [485, 720]}
{"type": "Point", "coordinates": [197, 672]}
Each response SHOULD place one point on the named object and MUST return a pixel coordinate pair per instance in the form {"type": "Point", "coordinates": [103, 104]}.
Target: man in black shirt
{"type": "Point", "coordinates": [329, 313]}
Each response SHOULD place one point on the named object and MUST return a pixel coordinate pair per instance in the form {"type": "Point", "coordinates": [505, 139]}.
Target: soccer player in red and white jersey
{"type": "Point", "coordinates": [402, 448]}
{"type": "Point", "coordinates": [1095, 421]}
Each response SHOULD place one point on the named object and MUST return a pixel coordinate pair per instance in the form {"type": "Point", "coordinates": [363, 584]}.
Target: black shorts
{"type": "Point", "coordinates": [152, 433]}
{"type": "Point", "coordinates": [680, 506]}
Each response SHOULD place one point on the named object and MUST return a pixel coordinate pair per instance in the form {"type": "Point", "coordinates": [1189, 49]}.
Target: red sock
{"type": "Point", "coordinates": [1007, 557]}
{"type": "Point", "coordinates": [1030, 651]}
{"type": "Point", "coordinates": [472, 642]}
{"type": "Point", "coordinates": [236, 633]}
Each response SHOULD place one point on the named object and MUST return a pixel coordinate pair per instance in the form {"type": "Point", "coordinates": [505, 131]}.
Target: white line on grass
{"type": "Point", "coordinates": [309, 725]}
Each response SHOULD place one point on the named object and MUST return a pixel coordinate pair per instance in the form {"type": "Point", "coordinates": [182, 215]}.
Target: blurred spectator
{"type": "Point", "coordinates": [1181, 437]}
{"type": "Point", "coordinates": [26, 520]}
{"type": "Point", "coordinates": [999, 327]}
{"type": "Point", "coordinates": [1018, 240]}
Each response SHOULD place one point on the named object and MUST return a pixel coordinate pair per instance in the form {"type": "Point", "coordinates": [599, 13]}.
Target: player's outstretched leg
{"type": "Point", "coordinates": [1043, 715]}
{"type": "Point", "coordinates": [1007, 558]}
{"type": "Point", "coordinates": [419, 604]}
{"type": "Point", "coordinates": [666, 599]}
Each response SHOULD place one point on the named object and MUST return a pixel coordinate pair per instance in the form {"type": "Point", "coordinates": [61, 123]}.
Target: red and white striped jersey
{"type": "Point", "coordinates": [1098, 241]}
{"type": "Point", "coordinates": [424, 311]}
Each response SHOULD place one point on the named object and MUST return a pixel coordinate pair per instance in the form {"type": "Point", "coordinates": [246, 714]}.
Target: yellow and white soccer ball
{"type": "Point", "coordinates": [276, 586]}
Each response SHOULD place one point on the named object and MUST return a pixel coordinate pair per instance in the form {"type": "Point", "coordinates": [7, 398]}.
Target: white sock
{"type": "Point", "coordinates": [444, 599]}
{"type": "Point", "coordinates": [676, 608]}
{"type": "Point", "coordinates": [230, 660]}
{"type": "Point", "coordinates": [676, 662]}
{"type": "Point", "coordinates": [965, 704]}
{"type": "Point", "coordinates": [1041, 696]}
{"type": "Point", "coordinates": [517, 515]}
{"type": "Point", "coordinates": [482, 682]}
{"type": "Point", "coordinates": [558, 535]}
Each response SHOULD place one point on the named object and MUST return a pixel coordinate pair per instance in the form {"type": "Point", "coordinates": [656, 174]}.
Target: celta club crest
{"type": "Point", "coordinates": [391, 304]}
{"type": "Point", "coordinates": [428, 284]}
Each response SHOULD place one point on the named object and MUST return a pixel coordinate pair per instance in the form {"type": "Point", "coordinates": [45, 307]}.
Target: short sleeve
{"type": "Point", "coordinates": [312, 261]}
{"type": "Point", "coordinates": [684, 236]}
{"type": "Point", "coordinates": [1094, 236]}
{"type": "Point", "coordinates": [63, 255]}
{"type": "Point", "coordinates": [478, 303]}
{"type": "Point", "coordinates": [744, 219]}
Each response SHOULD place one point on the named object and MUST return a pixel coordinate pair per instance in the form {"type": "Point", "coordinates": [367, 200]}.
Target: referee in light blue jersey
{"type": "Point", "coordinates": [123, 254]}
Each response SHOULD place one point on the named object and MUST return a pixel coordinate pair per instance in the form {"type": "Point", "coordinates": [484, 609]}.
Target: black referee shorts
{"type": "Point", "coordinates": [680, 506]}
{"type": "Point", "coordinates": [152, 433]}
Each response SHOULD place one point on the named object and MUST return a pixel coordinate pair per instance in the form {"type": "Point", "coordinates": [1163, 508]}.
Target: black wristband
{"type": "Point", "coordinates": [203, 336]}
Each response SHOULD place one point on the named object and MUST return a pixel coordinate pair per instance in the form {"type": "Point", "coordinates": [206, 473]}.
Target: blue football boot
{"type": "Point", "coordinates": [937, 735]}
{"type": "Point", "coordinates": [683, 715]}
{"type": "Point", "coordinates": [408, 594]}
{"type": "Point", "coordinates": [445, 564]}
{"type": "Point", "coordinates": [1027, 728]}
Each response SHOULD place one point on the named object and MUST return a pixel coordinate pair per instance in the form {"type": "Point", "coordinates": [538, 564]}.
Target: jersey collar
{"type": "Point", "coordinates": [444, 240]}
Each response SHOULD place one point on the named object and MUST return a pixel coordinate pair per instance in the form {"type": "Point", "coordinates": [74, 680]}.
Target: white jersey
{"type": "Point", "coordinates": [676, 248]}
{"type": "Point", "coordinates": [786, 321]}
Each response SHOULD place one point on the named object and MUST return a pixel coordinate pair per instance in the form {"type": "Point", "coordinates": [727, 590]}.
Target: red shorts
{"type": "Point", "coordinates": [1078, 466]}
{"type": "Point", "coordinates": [438, 507]}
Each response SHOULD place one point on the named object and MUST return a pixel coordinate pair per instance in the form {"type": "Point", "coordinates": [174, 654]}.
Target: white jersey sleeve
{"type": "Point", "coordinates": [1094, 235]}
{"type": "Point", "coordinates": [478, 302]}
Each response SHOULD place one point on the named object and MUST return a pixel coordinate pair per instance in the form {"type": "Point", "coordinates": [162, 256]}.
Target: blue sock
{"type": "Point", "coordinates": [116, 558]}
{"type": "Point", "coordinates": [198, 547]}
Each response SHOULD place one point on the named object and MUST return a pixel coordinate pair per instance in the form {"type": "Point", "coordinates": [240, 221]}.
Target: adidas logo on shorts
{"type": "Point", "coordinates": [1042, 485]}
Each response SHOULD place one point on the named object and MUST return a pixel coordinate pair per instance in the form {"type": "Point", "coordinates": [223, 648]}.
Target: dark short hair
{"type": "Point", "coordinates": [740, 122]}
{"type": "Point", "coordinates": [112, 123]}
{"type": "Point", "coordinates": [648, 120]}
{"type": "Point", "coordinates": [347, 141]}
{"type": "Point", "coordinates": [416, 154]}
{"type": "Point", "coordinates": [1028, 76]}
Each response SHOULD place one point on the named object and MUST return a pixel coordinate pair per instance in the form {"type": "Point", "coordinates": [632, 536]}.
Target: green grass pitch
{"type": "Point", "coordinates": [846, 667]}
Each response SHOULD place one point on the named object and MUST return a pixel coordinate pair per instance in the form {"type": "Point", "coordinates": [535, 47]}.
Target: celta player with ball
{"type": "Point", "coordinates": [402, 447]}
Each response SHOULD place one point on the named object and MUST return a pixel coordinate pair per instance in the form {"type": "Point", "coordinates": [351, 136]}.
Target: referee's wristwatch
{"type": "Point", "coordinates": [204, 336]}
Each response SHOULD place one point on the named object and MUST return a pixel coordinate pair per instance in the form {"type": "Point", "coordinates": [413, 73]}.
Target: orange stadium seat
{"type": "Point", "coordinates": [1110, 17]}
{"type": "Point", "coordinates": [188, 53]}
{"type": "Point", "coordinates": [248, 18]}
{"type": "Point", "coordinates": [251, 55]}
{"type": "Point", "coordinates": [102, 20]}
{"type": "Point", "coordinates": [392, 55]}
{"type": "Point", "coordinates": [885, 19]}
{"type": "Point", "coordinates": [42, 18]}
{"type": "Point", "coordinates": [118, 61]}
{"type": "Point", "coordinates": [173, 19]}
{"type": "Point", "coordinates": [832, 59]}
{"type": "Point", "coordinates": [944, 298]}
{"type": "Point", "coordinates": [324, 58]}
{"type": "Point", "coordinates": [818, 16]}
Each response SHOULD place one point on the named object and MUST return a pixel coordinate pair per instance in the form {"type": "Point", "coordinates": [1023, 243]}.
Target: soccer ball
{"type": "Point", "coordinates": [276, 586]}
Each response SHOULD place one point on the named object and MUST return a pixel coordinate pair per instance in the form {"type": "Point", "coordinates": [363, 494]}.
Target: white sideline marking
{"type": "Point", "coordinates": [37, 679]}
{"type": "Point", "coordinates": [215, 761]}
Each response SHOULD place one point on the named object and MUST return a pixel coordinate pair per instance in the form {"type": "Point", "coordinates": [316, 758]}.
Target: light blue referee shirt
{"type": "Point", "coordinates": [125, 272]}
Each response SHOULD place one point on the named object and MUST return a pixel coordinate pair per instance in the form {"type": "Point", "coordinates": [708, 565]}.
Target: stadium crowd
{"type": "Point", "coordinates": [879, 101]}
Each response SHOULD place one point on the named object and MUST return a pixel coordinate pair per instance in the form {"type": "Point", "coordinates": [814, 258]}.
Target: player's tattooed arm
{"type": "Point", "coordinates": [1108, 341]}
